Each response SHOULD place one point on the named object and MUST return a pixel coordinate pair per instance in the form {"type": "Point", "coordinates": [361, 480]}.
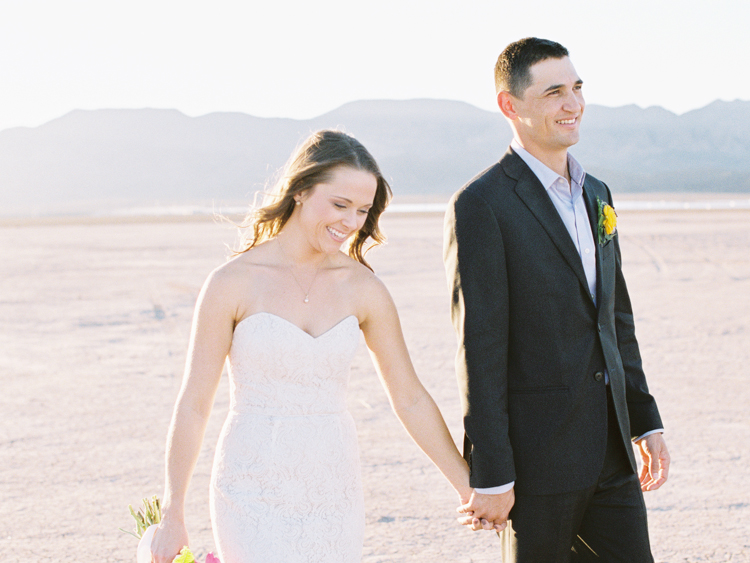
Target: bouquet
{"type": "Point", "coordinates": [146, 521]}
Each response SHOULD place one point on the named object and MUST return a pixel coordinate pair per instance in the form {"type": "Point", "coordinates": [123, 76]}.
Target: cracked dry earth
{"type": "Point", "coordinates": [94, 322]}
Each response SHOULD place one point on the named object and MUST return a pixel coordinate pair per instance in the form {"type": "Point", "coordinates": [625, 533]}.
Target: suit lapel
{"type": "Point", "coordinates": [592, 208]}
{"type": "Point", "coordinates": [593, 188]}
{"type": "Point", "coordinates": [535, 197]}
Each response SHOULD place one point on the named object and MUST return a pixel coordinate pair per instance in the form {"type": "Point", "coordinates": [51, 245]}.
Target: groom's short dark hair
{"type": "Point", "coordinates": [513, 67]}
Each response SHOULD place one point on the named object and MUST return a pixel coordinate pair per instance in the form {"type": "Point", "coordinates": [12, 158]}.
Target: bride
{"type": "Point", "coordinates": [287, 311]}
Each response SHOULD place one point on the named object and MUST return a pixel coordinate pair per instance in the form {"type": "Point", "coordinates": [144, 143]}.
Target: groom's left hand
{"type": "Point", "coordinates": [656, 460]}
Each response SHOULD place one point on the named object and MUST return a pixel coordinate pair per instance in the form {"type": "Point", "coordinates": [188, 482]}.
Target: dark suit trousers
{"type": "Point", "coordinates": [604, 523]}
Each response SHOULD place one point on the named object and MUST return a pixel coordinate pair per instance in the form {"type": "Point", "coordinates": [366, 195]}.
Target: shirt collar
{"type": "Point", "coordinates": [544, 173]}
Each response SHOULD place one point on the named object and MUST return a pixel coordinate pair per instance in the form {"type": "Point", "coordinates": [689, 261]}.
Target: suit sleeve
{"type": "Point", "coordinates": [642, 409]}
{"type": "Point", "coordinates": [477, 278]}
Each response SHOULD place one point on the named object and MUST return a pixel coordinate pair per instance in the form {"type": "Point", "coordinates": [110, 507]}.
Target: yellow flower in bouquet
{"type": "Point", "coordinates": [185, 556]}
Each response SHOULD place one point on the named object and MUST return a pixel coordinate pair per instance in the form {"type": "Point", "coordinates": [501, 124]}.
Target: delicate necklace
{"type": "Point", "coordinates": [291, 270]}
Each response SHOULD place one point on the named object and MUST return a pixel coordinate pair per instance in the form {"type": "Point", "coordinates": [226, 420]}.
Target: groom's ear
{"type": "Point", "coordinates": [507, 104]}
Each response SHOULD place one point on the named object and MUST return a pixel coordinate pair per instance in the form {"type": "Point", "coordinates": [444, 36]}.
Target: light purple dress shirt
{"type": "Point", "coordinates": [568, 200]}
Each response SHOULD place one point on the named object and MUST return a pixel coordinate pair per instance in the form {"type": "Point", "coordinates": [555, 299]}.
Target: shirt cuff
{"type": "Point", "coordinates": [642, 436]}
{"type": "Point", "coordinates": [496, 490]}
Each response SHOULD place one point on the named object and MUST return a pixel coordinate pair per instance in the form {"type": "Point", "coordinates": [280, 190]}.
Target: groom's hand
{"type": "Point", "coordinates": [655, 459]}
{"type": "Point", "coordinates": [487, 512]}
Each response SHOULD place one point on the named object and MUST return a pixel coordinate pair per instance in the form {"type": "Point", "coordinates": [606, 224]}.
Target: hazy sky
{"type": "Point", "coordinates": [301, 58]}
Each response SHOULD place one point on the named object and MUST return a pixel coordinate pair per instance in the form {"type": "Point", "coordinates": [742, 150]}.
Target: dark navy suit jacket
{"type": "Point", "coordinates": [532, 343]}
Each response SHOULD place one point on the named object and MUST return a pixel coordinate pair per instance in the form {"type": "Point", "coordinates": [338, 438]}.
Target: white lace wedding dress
{"type": "Point", "coordinates": [286, 482]}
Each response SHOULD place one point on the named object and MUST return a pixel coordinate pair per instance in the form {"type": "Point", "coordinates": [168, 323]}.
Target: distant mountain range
{"type": "Point", "coordinates": [108, 158]}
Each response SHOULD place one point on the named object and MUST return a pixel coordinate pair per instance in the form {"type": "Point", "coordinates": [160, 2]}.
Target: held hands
{"type": "Point", "coordinates": [486, 512]}
{"type": "Point", "coordinates": [655, 459]}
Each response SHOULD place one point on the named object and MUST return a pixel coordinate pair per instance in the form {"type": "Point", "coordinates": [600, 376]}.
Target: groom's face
{"type": "Point", "coordinates": [549, 114]}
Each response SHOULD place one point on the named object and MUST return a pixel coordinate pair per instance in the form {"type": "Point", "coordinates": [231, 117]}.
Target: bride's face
{"type": "Point", "coordinates": [333, 211]}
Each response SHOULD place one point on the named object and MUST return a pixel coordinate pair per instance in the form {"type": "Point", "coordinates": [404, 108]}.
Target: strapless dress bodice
{"type": "Point", "coordinates": [276, 368]}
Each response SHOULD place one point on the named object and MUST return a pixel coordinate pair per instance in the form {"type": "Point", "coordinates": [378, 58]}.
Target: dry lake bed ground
{"type": "Point", "coordinates": [94, 324]}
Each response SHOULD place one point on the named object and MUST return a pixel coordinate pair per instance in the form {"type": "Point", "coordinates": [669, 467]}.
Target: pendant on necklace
{"type": "Point", "coordinates": [306, 299]}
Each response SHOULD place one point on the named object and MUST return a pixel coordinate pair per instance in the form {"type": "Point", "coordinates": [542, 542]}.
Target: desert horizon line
{"type": "Point", "coordinates": [353, 102]}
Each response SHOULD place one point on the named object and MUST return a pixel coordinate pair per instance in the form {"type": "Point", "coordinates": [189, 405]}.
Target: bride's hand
{"type": "Point", "coordinates": [170, 537]}
{"type": "Point", "coordinates": [464, 489]}
{"type": "Point", "coordinates": [464, 494]}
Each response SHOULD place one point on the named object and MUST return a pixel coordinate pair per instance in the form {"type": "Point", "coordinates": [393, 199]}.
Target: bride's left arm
{"type": "Point", "coordinates": [411, 402]}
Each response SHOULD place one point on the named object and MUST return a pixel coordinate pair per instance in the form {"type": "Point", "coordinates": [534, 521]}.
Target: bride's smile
{"type": "Point", "coordinates": [332, 211]}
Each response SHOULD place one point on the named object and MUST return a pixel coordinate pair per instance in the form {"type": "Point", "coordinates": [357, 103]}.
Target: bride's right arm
{"type": "Point", "coordinates": [210, 340]}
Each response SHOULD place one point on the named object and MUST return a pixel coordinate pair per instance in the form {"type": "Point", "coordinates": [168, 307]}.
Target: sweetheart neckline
{"type": "Point", "coordinates": [303, 331]}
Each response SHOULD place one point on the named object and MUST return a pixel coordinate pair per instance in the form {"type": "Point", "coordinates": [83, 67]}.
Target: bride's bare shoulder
{"type": "Point", "coordinates": [364, 284]}
{"type": "Point", "coordinates": [239, 271]}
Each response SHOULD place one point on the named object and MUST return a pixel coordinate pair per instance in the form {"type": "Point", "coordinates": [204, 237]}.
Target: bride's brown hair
{"type": "Point", "coordinates": [313, 163]}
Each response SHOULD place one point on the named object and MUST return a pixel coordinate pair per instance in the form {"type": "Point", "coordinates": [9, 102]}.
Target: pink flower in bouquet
{"type": "Point", "coordinates": [211, 558]}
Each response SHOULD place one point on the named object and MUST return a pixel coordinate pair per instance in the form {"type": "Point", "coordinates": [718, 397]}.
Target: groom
{"type": "Point", "coordinates": [548, 364]}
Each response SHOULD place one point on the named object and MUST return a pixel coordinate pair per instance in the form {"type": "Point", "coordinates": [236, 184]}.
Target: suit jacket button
{"type": "Point", "coordinates": [598, 376]}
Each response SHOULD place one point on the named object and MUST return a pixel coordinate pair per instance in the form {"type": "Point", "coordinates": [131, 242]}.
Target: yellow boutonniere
{"type": "Point", "coordinates": [607, 227]}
